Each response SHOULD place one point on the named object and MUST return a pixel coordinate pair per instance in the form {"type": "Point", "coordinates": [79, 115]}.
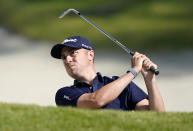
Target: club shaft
{"type": "Point", "coordinates": [109, 36]}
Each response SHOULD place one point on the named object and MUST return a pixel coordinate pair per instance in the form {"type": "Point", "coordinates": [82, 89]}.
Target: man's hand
{"type": "Point", "coordinates": [137, 61]}
{"type": "Point", "coordinates": [142, 64]}
{"type": "Point", "coordinates": [147, 64]}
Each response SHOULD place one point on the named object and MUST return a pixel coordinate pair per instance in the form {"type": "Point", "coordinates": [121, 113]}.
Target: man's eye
{"type": "Point", "coordinates": [74, 51]}
{"type": "Point", "coordinates": [63, 57]}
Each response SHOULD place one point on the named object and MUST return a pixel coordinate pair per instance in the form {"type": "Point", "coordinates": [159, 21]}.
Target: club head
{"type": "Point", "coordinates": [67, 11]}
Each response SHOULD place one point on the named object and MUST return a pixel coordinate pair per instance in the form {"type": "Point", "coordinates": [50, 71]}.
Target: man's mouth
{"type": "Point", "coordinates": [71, 66]}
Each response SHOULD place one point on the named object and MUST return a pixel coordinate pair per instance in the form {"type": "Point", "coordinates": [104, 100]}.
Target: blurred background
{"type": "Point", "coordinates": [161, 29]}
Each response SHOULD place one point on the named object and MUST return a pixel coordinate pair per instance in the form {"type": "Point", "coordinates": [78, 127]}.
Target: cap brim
{"type": "Point", "coordinates": [56, 51]}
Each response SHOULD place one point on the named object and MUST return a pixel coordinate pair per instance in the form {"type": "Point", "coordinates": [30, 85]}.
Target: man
{"type": "Point", "coordinates": [92, 90]}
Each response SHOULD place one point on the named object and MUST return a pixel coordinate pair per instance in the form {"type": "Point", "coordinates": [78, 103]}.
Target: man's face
{"type": "Point", "coordinates": [75, 60]}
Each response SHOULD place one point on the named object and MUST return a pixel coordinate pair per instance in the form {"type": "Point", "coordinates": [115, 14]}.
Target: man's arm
{"type": "Point", "coordinates": [106, 94]}
{"type": "Point", "coordinates": [155, 101]}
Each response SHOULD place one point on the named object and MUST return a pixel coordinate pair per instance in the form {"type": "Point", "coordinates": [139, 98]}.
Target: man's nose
{"type": "Point", "coordinates": [68, 59]}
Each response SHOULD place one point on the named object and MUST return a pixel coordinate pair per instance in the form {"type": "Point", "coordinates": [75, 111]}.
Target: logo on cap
{"type": "Point", "coordinates": [69, 40]}
{"type": "Point", "coordinates": [86, 46]}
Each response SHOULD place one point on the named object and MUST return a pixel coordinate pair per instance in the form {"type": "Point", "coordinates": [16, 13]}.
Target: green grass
{"type": "Point", "coordinates": [141, 25]}
{"type": "Point", "coordinates": [15, 117]}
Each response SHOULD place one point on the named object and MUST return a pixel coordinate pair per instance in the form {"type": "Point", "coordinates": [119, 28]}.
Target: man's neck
{"type": "Point", "coordinates": [90, 77]}
{"type": "Point", "coordinates": [87, 77]}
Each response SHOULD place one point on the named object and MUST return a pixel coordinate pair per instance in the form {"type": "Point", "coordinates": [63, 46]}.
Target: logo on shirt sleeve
{"type": "Point", "coordinates": [68, 98]}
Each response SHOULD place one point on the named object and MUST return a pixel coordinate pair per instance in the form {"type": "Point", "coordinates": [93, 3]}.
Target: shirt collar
{"type": "Point", "coordinates": [98, 78]}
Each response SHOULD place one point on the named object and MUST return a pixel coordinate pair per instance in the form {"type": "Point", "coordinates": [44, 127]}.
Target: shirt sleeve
{"type": "Point", "coordinates": [135, 95]}
{"type": "Point", "coordinates": [67, 96]}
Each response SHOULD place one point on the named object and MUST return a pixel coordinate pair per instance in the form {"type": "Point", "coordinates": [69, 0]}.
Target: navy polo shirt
{"type": "Point", "coordinates": [129, 97]}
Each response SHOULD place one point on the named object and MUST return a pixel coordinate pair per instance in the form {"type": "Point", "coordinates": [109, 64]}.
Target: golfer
{"type": "Point", "coordinates": [94, 91]}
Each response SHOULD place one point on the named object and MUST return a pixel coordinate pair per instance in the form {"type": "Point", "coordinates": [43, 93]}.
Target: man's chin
{"type": "Point", "coordinates": [73, 74]}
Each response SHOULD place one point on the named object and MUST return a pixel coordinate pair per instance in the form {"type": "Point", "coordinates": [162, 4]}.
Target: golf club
{"type": "Point", "coordinates": [152, 69]}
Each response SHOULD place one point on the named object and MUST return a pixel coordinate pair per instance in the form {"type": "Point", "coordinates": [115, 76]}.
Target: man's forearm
{"type": "Point", "coordinates": [155, 99]}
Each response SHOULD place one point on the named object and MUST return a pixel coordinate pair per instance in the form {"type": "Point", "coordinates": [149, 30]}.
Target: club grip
{"type": "Point", "coordinates": [132, 53]}
{"type": "Point", "coordinates": [152, 69]}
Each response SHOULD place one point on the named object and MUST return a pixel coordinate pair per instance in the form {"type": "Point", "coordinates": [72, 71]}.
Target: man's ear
{"type": "Point", "coordinates": [91, 55]}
